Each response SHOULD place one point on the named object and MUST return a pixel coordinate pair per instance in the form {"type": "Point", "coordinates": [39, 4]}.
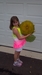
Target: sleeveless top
{"type": "Point", "coordinates": [18, 43]}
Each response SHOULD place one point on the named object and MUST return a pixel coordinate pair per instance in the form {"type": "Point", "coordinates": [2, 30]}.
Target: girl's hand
{"type": "Point", "coordinates": [29, 35]}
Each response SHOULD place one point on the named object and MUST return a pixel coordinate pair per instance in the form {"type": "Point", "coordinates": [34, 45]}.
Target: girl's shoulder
{"type": "Point", "coordinates": [13, 27]}
{"type": "Point", "coordinates": [16, 28]}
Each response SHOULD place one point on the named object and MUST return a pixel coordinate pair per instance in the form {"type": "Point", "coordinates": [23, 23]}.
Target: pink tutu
{"type": "Point", "coordinates": [19, 43]}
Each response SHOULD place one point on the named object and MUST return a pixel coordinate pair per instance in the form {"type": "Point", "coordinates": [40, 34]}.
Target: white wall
{"type": "Point", "coordinates": [24, 9]}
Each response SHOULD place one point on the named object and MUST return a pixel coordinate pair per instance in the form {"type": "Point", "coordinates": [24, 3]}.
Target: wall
{"type": "Point", "coordinates": [24, 9]}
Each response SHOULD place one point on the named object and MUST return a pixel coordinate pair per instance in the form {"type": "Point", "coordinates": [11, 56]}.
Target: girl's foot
{"type": "Point", "coordinates": [17, 64]}
{"type": "Point", "coordinates": [19, 60]}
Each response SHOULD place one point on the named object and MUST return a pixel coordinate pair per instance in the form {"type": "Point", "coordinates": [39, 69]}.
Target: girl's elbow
{"type": "Point", "coordinates": [19, 38]}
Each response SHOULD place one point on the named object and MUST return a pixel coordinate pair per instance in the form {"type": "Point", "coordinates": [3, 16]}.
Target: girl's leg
{"type": "Point", "coordinates": [16, 55]}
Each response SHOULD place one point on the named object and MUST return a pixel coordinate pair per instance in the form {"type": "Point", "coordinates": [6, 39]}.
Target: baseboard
{"type": "Point", "coordinates": [24, 52]}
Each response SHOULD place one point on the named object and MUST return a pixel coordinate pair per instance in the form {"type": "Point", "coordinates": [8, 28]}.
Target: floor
{"type": "Point", "coordinates": [30, 66]}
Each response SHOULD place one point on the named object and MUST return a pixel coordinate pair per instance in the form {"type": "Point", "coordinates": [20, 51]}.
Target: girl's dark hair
{"type": "Point", "coordinates": [12, 20]}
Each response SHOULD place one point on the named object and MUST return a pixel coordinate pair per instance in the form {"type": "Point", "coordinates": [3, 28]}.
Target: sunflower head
{"type": "Point", "coordinates": [27, 27]}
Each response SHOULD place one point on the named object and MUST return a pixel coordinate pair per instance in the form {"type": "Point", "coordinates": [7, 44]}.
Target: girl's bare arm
{"type": "Point", "coordinates": [16, 32]}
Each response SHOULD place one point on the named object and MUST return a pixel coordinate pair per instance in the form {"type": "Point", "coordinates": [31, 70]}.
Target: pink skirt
{"type": "Point", "coordinates": [19, 43]}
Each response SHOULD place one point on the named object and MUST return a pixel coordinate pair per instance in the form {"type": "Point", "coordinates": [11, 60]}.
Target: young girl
{"type": "Point", "coordinates": [19, 39]}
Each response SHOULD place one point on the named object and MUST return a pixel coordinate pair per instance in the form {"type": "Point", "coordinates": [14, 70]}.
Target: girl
{"type": "Point", "coordinates": [19, 39]}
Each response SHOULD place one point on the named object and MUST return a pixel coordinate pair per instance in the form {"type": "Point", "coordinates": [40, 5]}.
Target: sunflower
{"type": "Point", "coordinates": [27, 27]}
